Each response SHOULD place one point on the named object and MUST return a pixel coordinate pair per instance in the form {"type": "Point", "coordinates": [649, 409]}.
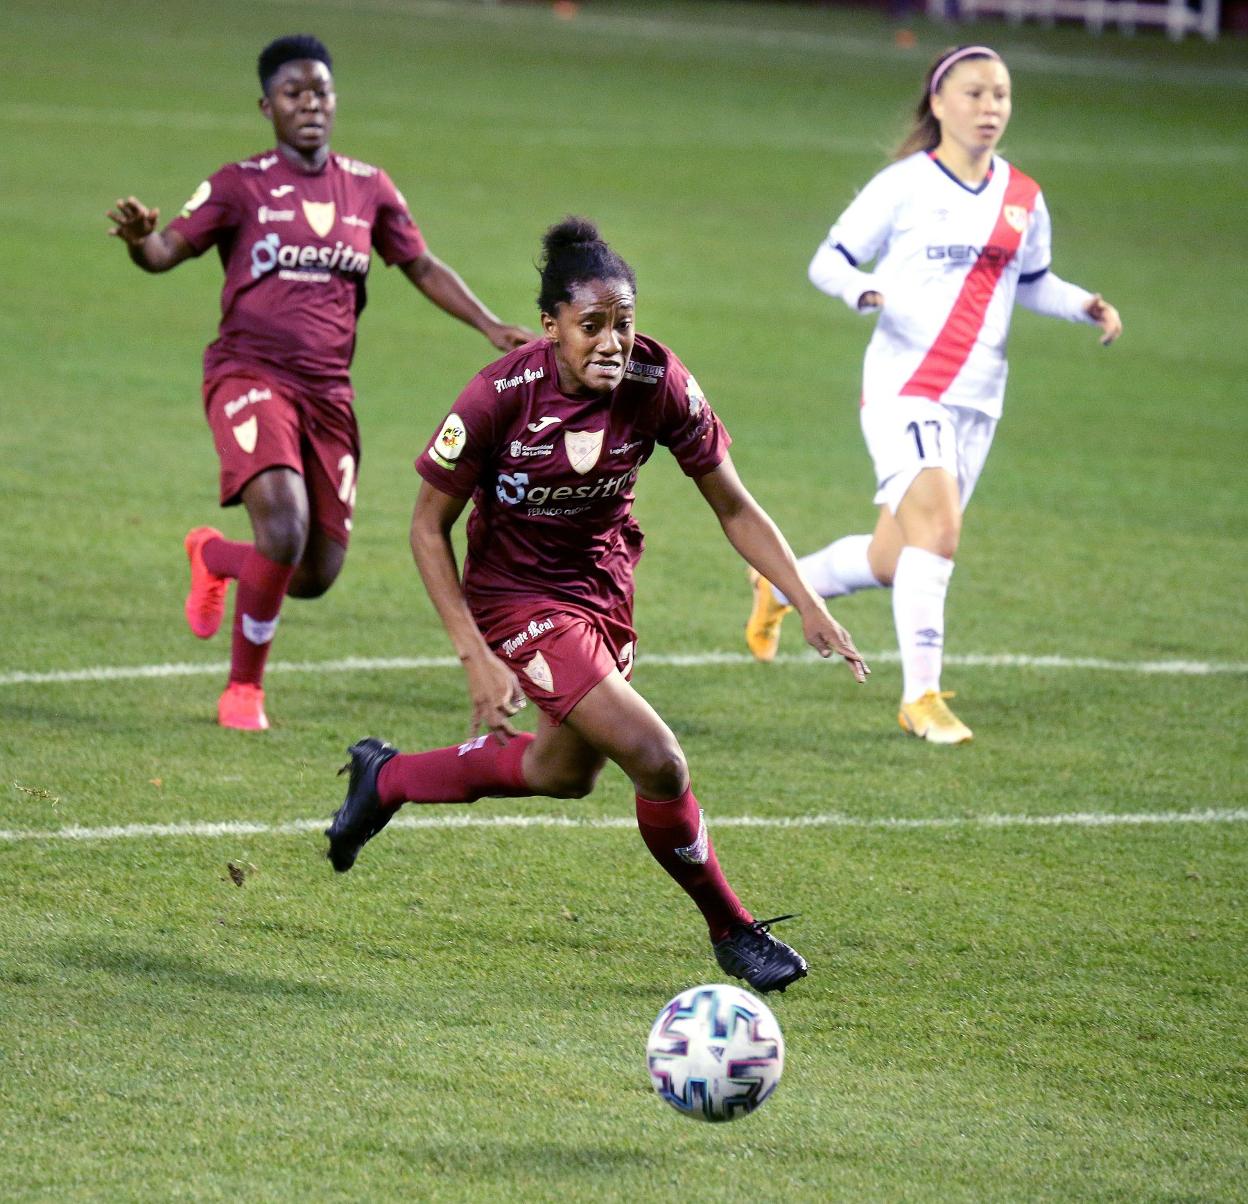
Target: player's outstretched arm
{"type": "Point", "coordinates": [446, 289]}
{"type": "Point", "coordinates": [751, 531]}
{"type": "Point", "coordinates": [493, 688]}
{"type": "Point", "coordinates": [1105, 316]}
{"type": "Point", "coordinates": [151, 249]}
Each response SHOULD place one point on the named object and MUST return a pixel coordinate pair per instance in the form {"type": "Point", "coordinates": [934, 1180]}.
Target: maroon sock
{"type": "Point", "coordinates": [225, 557]}
{"type": "Point", "coordinates": [463, 773]}
{"type": "Point", "coordinates": [258, 602]}
{"type": "Point", "coordinates": [676, 835]}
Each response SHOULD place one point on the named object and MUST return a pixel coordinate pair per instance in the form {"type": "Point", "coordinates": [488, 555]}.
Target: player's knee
{"type": "Point", "coordinates": [283, 538]}
{"type": "Point", "coordinates": [661, 772]}
{"type": "Point", "coordinates": [567, 781]}
{"type": "Point", "coordinates": [945, 539]}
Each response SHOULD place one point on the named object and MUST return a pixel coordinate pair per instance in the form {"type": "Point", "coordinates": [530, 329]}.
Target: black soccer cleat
{"type": "Point", "coordinates": [361, 815]}
{"type": "Point", "coordinates": [749, 951]}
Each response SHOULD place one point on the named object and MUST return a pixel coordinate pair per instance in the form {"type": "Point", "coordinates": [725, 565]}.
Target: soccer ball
{"type": "Point", "coordinates": [715, 1053]}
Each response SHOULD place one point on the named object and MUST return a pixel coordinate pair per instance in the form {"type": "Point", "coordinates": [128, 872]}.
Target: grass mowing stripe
{"type": "Point", "coordinates": [678, 660]}
{"type": "Point", "coordinates": [1075, 819]}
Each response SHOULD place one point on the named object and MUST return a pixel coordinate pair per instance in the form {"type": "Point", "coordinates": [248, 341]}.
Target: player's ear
{"type": "Point", "coordinates": [266, 107]}
{"type": "Point", "coordinates": [550, 328]}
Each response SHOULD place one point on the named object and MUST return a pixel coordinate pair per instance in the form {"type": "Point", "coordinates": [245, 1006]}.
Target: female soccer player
{"type": "Point", "coordinates": [956, 233]}
{"type": "Point", "coordinates": [548, 442]}
{"type": "Point", "coordinates": [294, 227]}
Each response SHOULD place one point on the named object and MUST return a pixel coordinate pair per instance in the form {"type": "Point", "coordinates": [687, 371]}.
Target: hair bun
{"type": "Point", "coordinates": [570, 232]}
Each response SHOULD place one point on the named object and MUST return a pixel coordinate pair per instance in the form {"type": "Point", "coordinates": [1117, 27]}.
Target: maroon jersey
{"type": "Point", "coordinates": [296, 249]}
{"type": "Point", "coordinates": [552, 477]}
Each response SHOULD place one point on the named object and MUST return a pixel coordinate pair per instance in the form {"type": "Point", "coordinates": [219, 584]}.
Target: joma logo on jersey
{"type": "Point", "coordinates": [989, 251]}
{"type": "Point", "coordinates": [270, 252]}
{"type": "Point", "coordinates": [514, 489]}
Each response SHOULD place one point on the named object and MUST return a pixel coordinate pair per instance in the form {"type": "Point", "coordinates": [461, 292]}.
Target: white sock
{"type": "Point", "coordinates": [919, 588]}
{"type": "Point", "coordinates": [840, 568]}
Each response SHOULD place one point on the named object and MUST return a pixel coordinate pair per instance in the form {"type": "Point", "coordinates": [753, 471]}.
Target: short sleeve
{"type": "Point", "coordinates": [210, 213]}
{"type": "Point", "coordinates": [395, 235]}
{"type": "Point", "coordinates": [863, 229]}
{"type": "Point", "coordinates": [455, 459]}
{"type": "Point", "coordinates": [688, 427]}
{"type": "Point", "coordinates": [1036, 253]}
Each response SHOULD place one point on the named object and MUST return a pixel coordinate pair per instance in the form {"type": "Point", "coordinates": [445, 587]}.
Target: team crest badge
{"type": "Point", "coordinates": [197, 198]}
{"type": "Point", "coordinates": [320, 216]}
{"type": "Point", "coordinates": [695, 396]}
{"type": "Point", "coordinates": [450, 441]}
{"type": "Point", "coordinates": [583, 448]}
{"type": "Point", "coordinates": [538, 672]}
{"type": "Point", "coordinates": [1016, 216]}
{"type": "Point", "coordinates": [246, 432]}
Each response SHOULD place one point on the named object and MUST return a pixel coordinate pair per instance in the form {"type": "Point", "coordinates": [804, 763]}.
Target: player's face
{"type": "Point", "coordinates": [593, 335]}
{"type": "Point", "coordinates": [300, 103]}
{"type": "Point", "coordinates": [973, 105]}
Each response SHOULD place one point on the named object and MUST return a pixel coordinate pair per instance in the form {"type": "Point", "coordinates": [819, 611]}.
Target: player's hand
{"type": "Point", "coordinates": [496, 695]}
{"type": "Point", "coordinates": [132, 220]}
{"type": "Point", "coordinates": [508, 338]}
{"type": "Point", "coordinates": [1105, 316]}
{"type": "Point", "coordinates": [828, 638]}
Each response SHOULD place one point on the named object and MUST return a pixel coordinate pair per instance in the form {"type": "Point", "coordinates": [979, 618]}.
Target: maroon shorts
{"type": "Point", "coordinates": [561, 652]}
{"type": "Point", "coordinates": [258, 424]}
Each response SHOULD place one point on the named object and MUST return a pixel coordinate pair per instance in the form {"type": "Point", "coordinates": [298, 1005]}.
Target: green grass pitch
{"type": "Point", "coordinates": [997, 1009]}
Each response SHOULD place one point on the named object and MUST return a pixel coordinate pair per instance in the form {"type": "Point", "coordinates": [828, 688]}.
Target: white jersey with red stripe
{"type": "Point", "coordinates": [948, 261]}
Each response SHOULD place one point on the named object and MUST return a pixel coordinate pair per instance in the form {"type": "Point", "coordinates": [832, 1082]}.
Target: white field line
{"type": "Point", "coordinates": [442, 821]}
{"type": "Point", "coordinates": [679, 660]}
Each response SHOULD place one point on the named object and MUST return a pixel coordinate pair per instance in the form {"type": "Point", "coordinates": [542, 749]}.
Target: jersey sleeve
{"type": "Point", "coordinates": [455, 459]}
{"type": "Point", "coordinates": [688, 427]}
{"type": "Point", "coordinates": [1036, 253]}
{"type": "Point", "coordinates": [395, 235]}
{"type": "Point", "coordinates": [211, 212]}
{"type": "Point", "coordinates": [861, 232]}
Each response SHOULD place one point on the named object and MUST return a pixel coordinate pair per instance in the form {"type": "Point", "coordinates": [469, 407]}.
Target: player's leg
{"type": "Point", "coordinates": [331, 458]}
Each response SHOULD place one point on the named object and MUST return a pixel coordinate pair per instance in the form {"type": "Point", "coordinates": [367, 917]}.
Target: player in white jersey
{"type": "Point", "coordinates": [956, 234]}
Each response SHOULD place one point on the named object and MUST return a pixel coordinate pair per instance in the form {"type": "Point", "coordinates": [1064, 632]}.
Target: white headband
{"type": "Point", "coordinates": [956, 57]}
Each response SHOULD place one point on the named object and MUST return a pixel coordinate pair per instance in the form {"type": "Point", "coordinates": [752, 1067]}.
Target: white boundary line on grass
{"type": "Point", "coordinates": [679, 660]}
{"type": "Point", "coordinates": [295, 827]}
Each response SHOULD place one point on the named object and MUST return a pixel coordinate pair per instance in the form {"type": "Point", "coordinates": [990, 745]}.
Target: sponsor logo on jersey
{"type": "Point", "coordinates": [350, 219]}
{"type": "Point", "coordinates": [356, 168]}
{"type": "Point", "coordinates": [502, 383]}
{"type": "Point", "coordinates": [275, 215]}
{"type": "Point", "coordinates": [450, 441]}
{"type": "Point", "coordinates": [197, 198]}
{"type": "Point", "coordinates": [538, 672]}
{"type": "Point", "coordinates": [281, 191]}
{"type": "Point", "coordinates": [1016, 216]}
{"type": "Point", "coordinates": [583, 448]}
{"type": "Point", "coordinates": [965, 251]}
{"type": "Point", "coordinates": [514, 489]}
{"type": "Point", "coordinates": [250, 398]}
{"type": "Point", "coordinates": [523, 451]}
{"type": "Point", "coordinates": [270, 252]}
{"type": "Point", "coordinates": [320, 215]}
{"type": "Point", "coordinates": [542, 423]}
{"type": "Point", "coordinates": [695, 396]}
{"type": "Point", "coordinates": [648, 374]}
{"type": "Point", "coordinates": [531, 632]}
{"type": "Point", "coordinates": [245, 434]}
{"type": "Point", "coordinates": [698, 852]}
{"type": "Point", "coordinates": [625, 448]}
{"type": "Point", "coordinates": [259, 631]}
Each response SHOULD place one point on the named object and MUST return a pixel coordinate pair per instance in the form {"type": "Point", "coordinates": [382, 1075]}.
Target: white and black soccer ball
{"type": "Point", "coordinates": [715, 1053]}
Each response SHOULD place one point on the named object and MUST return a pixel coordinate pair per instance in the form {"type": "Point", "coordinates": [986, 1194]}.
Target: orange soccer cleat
{"type": "Point", "coordinates": [762, 629]}
{"type": "Point", "coordinates": [930, 719]}
{"type": "Point", "coordinates": [242, 707]}
{"type": "Point", "coordinates": [205, 604]}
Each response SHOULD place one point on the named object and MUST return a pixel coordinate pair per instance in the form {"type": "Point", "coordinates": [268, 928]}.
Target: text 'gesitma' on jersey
{"type": "Point", "coordinates": [296, 248]}
{"type": "Point", "coordinates": [553, 477]}
{"type": "Point", "coordinates": [948, 262]}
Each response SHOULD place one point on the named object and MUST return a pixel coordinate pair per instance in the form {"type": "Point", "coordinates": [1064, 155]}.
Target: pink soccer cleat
{"type": "Point", "coordinates": [205, 604]}
{"type": "Point", "coordinates": [242, 707]}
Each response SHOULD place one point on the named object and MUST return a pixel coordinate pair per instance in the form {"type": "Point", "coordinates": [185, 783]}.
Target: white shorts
{"type": "Point", "coordinates": [905, 435]}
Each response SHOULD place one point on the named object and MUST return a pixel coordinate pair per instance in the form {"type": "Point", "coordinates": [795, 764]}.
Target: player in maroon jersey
{"type": "Point", "coordinates": [294, 228]}
{"type": "Point", "coordinates": [547, 442]}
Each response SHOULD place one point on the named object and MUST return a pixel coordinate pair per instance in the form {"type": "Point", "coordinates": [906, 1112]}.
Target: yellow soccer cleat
{"type": "Point", "coordinates": [762, 629]}
{"type": "Point", "coordinates": [930, 719]}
